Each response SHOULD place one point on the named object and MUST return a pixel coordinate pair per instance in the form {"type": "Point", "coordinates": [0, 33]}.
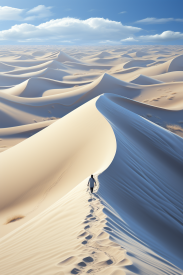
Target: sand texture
{"type": "Point", "coordinates": [67, 113]}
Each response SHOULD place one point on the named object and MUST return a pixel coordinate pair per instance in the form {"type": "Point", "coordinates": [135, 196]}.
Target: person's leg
{"type": "Point", "coordinates": [91, 189]}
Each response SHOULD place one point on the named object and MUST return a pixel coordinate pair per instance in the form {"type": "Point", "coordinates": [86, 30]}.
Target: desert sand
{"type": "Point", "coordinates": [69, 112]}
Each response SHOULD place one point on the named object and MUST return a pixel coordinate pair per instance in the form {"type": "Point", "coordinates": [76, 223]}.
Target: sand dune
{"type": "Point", "coordinates": [160, 116]}
{"type": "Point", "coordinates": [69, 112]}
{"type": "Point", "coordinates": [53, 157]}
{"type": "Point", "coordinates": [154, 181]}
{"type": "Point", "coordinates": [10, 80]}
{"type": "Point", "coordinates": [165, 95]}
{"type": "Point", "coordinates": [176, 64]}
{"type": "Point", "coordinates": [151, 70]}
{"type": "Point", "coordinates": [137, 63]}
{"type": "Point", "coordinates": [6, 68]}
{"type": "Point", "coordinates": [13, 110]}
{"type": "Point", "coordinates": [51, 92]}
{"type": "Point", "coordinates": [145, 80]}
{"type": "Point", "coordinates": [36, 86]}
{"type": "Point", "coordinates": [82, 77]}
{"type": "Point", "coordinates": [16, 100]}
{"type": "Point", "coordinates": [49, 64]}
{"type": "Point", "coordinates": [170, 77]}
{"type": "Point", "coordinates": [54, 74]}
{"type": "Point", "coordinates": [105, 61]}
{"type": "Point", "coordinates": [140, 53]}
{"type": "Point", "coordinates": [103, 54]}
{"type": "Point", "coordinates": [87, 67]}
{"type": "Point", "coordinates": [47, 72]}
{"type": "Point", "coordinates": [40, 53]}
{"type": "Point", "coordinates": [63, 57]}
{"type": "Point", "coordinates": [119, 70]}
{"type": "Point", "coordinates": [126, 55]}
{"type": "Point", "coordinates": [155, 63]}
{"type": "Point", "coordinates": [22, 63]}
{"type": "Point", "coordinates": [104, 84]}
{"type": "Point", "coordinates": [11, 136]}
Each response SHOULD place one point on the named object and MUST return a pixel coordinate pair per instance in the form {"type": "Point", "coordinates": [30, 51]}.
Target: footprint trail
{"type": "Point", "coordinates": [100, 254]}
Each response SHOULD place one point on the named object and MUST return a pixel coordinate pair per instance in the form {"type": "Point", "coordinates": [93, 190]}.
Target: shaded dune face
{"type": "Point", "coordinates": [139, 190]}
{"type": "Point", "coordinates": [67, 113]}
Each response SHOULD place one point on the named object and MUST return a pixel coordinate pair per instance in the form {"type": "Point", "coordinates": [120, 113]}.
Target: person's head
{"type": "Point", "coordinates": [91, 176]}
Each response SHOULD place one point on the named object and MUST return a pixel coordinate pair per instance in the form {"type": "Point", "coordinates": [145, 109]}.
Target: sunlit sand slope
{"type": "Point", "coordinates": [50, 163]}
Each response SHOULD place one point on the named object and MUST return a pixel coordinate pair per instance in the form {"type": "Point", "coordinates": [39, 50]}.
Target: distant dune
{"type": "Point", "coordinates": [145, 80]}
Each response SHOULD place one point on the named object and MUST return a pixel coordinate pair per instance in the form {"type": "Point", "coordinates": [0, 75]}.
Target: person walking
{"type": "Point", "coordinates": [91, 183]}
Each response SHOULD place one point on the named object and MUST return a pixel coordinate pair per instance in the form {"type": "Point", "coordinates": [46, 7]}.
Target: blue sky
{"type": "Point", "coordinates": [96, 22]}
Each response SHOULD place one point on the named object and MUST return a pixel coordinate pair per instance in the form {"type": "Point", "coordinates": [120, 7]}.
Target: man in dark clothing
{"type": "Point", "coordinates": [92, 183]}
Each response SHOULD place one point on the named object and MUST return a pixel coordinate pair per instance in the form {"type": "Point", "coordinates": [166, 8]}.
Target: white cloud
{"type": "Point", "coordinates": [9, 13]}
{"type": "Point", "coordinates": [166, 36]}
{"type": "Point", "coordinates": [122, 12]}
{"type": "Point", "coordinates": [129, 39]}
{"type": "Point", "coordinates": [109, 42]}
{"type": "Point", "coordinates": [89, 30]}
{"type": "Point", "coordinates": [153, 20]}
{"type": "Point", "coordinates": [39, 12]}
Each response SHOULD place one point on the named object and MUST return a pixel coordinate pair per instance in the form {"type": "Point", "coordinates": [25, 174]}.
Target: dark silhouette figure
{"type": "Point", "coordinates": [91, 183]}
